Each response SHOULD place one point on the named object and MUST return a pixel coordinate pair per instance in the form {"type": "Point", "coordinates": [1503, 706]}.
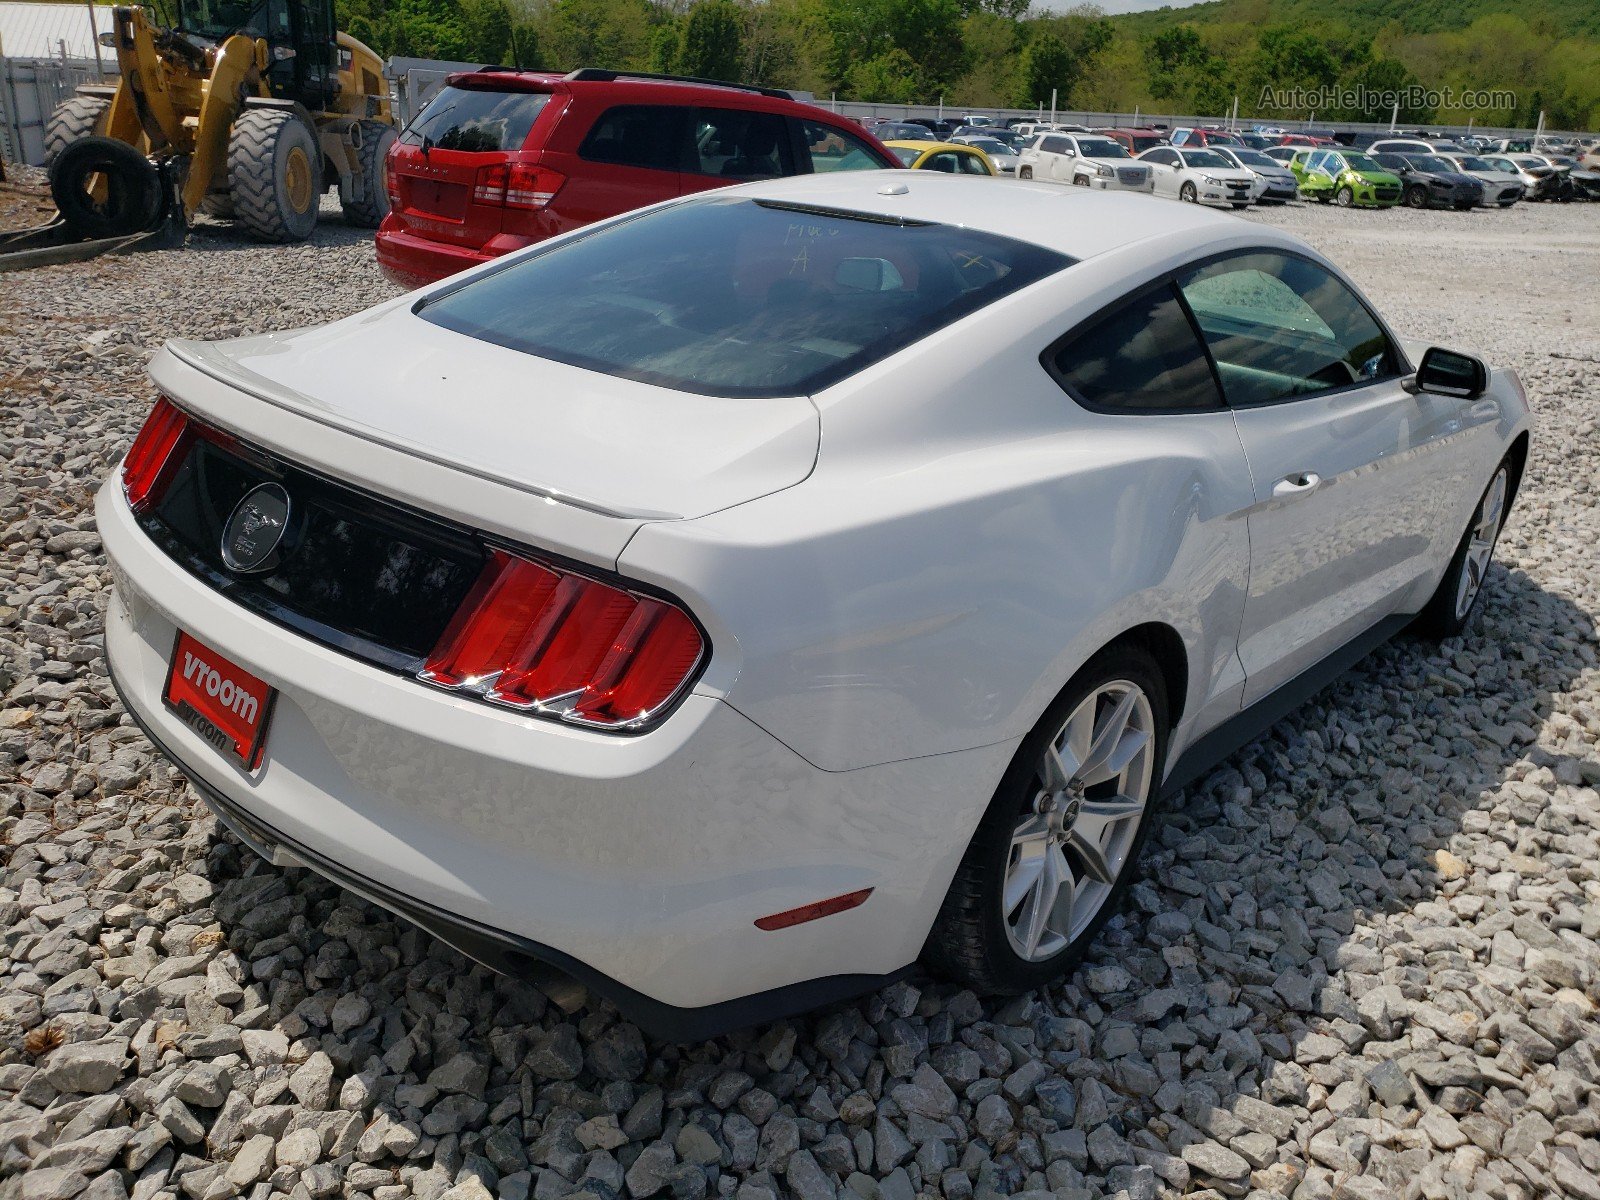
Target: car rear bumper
{"type": "Point", "coordinates": [638, 865]}
{"type": "Point", "coordinates": [413, 261]}
{"type": "Point", "coordinates": [517, 956]}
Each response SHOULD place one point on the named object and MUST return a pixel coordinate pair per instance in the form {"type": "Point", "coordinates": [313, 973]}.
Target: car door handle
{"type": "Point", "coordinates": [1484, 408]}
{"type": "Point", "coordinates": [1302, 484]}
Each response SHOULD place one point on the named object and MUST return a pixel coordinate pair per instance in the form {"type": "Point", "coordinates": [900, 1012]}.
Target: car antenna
{"type": "Point", "coordinates": [516, 54]}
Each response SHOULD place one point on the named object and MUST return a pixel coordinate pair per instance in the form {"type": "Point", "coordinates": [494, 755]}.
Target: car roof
{"type": "Point", "coordinates": [642, 87]}
{"type": "Point", "coordinates": [1078, 222]}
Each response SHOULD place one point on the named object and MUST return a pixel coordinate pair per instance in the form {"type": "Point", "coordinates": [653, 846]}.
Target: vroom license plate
{"type": "Point", "coordinates": [219, 700]}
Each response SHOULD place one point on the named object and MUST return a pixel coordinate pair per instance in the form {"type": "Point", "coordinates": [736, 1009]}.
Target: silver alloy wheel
{"type": "Point", "coordinates": [1067, 852]}
{"type": "Point", "coordinates": [1480, 543]}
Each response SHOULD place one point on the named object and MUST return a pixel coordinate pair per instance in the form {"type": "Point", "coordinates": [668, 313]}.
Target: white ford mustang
{"type": "Point", "coordinates": [735, 603]}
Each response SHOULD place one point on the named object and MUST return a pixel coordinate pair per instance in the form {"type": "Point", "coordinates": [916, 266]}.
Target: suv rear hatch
{"type": "Point", "coordinates": [462, 165]}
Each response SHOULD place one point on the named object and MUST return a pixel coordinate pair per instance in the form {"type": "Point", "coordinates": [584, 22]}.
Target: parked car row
{"type": "Point", "coordinates": [501, 159]}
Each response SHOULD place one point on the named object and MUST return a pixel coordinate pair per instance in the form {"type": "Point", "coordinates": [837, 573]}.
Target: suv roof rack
{"type": "Point", "coordinates": [600, 75]}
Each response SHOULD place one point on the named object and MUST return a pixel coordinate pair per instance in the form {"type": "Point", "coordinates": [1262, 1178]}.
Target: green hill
{"type": "Point", "coordinates": [1350, 61]}
{"type": "Point", "coordinates": [1559, 17]}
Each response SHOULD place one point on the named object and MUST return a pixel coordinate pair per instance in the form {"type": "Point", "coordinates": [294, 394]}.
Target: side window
{"type": "Point", "coordinates": [1280, 327]}
{"type": "Point", "coordinates": [833, 149]}
{"type": "Point", "coordinates": [639, 136]}
{"type": "Point", "coordinates": [1054, 145]}
{"type": "Point", "coordinates": [1314, 161]}
{"type": "Point", "coordinates": [1165, 157]}
{"type": "Point", "coordinates": [735, 144]}
{"type": "Point", "coordinates": [1142, 356]}
{"type": "Point", "coordinates": [972, 164]}
{"type": "Point", "coordinates": [946, 161]}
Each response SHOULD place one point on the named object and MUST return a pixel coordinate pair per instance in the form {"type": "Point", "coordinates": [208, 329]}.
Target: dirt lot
{"type": "Point", "coordinates": [1365, 964]}
{"type": "Point", "coordinates": [24, 199]}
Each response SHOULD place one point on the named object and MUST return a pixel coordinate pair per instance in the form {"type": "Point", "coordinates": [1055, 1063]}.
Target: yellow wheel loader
{"type": "Point", "coordinates": [248, 110]}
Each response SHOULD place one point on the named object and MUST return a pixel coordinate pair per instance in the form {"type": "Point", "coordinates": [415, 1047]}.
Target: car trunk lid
{"type": "Point", "coordinates": [611, 446]}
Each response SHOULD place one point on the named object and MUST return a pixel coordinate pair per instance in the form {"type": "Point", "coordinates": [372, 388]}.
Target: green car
{"type": "Point", "coordinates": [1345, 177]}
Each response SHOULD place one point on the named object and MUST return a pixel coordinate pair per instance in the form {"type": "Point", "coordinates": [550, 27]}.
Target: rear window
{"type": "Point", "coordinates": [475, 119]}
{"type": "Point", "coordinates": [738, 297]}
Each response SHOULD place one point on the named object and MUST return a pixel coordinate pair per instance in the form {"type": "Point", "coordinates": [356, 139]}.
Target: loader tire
{"type": "Point", "coordinates": [74, 118]}
{"type": "Point", "coordinates": [376, 138]}
{"type": "Point", "coordinates": [105, 188]}
{"type": "Point", "coordinates": [274, 175]}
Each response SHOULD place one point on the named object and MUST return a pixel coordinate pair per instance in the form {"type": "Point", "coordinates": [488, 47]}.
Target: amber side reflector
{"type": "Point", "coordinates": [810, 912]}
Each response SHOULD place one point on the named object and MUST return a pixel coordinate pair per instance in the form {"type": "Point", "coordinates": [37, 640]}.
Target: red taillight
{"type": "Point", "coordinates": [536, 637]}
{"type": "Point", "coordinates": [391, 179]}
{"type": "Point", "coordinates": [155, 454]}
{"type": "Point", "coordinates": [491, 185]}
{"type": "Point", "coordinates": [516, 185]}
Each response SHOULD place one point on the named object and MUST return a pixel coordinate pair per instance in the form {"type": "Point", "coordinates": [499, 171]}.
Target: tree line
{"type": "Point", "coordinates": [1003, 53]}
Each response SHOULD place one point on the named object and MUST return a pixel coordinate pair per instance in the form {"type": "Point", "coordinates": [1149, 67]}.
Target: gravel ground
{"type": "Point", "coordinates": [1365, 966]}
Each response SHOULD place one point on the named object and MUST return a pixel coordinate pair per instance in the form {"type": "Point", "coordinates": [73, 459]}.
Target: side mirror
{"type": "Point", "coordinates": [1450, 373]}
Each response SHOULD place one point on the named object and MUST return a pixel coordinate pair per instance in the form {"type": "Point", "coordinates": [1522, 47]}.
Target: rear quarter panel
{"type": "Point", "coordinates": [970, 536]}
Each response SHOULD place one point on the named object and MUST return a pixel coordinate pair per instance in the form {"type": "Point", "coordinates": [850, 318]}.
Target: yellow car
{"type": "Point", "coordinates": [942, 156]}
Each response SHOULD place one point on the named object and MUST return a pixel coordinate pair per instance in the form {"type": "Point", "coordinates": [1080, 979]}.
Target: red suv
{"type": "Point", "coordinates": [501, 159]}
{"type": "Point", "coordinates": [1136, 141]}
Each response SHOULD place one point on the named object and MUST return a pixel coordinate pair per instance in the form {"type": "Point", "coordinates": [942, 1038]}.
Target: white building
{"type": "Point", "coordinates": [46, 50]}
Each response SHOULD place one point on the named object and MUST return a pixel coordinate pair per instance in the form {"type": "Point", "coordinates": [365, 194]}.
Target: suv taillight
{"type": "Point", "coordinates": [516, 185]}
{"type": "Point", "coordinates": [155, 454]}
{"type": "Point", "coordinates": [391, 182]}
{"type": "Point", "coordinates": [540, 638]}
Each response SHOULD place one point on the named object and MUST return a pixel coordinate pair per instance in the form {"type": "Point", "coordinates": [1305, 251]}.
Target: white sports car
{"type": "Point", "coordinates": [736, 602]}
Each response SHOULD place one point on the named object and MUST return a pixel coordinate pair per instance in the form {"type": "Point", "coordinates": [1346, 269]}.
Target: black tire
{"type": "Point", "coordinates": [275, 175]}
{"type": "Point", "coordinates": [968, 942]}
{"type": "Point", "coordinates": [1188, 195]}
{"type": "Point", "coordinates": [1507, 203]}
{"type": "Point", "coordinates": [1346, 197]}
{"type": "Point", "coordinates": [1443, 617]}
{"type": "Point", "coordinates": [75, 118]}
{"type": "Point", "coordinates": [1080, 181]}
{"type": "Point", "coordinates": [1239, 206]}
{"type": "Point", "coordinates": [1416, 196]}
{"type": "Point", "coordinates": [1024, 172]}
{"type": "Point", "coordinates": [376, 138]}
{"type": "Point", "coordinates": [132, 199]}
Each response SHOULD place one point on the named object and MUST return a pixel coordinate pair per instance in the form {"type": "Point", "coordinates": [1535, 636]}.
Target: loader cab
{"type": "Point", "coordinates": [303, 55]}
